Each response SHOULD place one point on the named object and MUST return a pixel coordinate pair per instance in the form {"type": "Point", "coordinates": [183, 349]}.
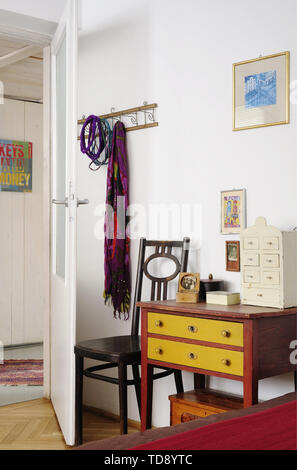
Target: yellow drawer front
{"type": "Point", "coordinates": [213, 331]}
{"type": "Point", "coordinates": [192, 355]}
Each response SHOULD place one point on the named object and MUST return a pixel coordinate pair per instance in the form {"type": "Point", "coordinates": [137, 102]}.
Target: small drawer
{"type": "Point", "coordinates": [261, 295]}
{"type": "Point", "coordinates": [212, 331]}
{"type": "Point", "coordinates": [251, 259]}
{"type": "Point", "coordinates": [192, 355]}
{"type": "Point", "coordinates": [270, 243]}
{"type": "Point", "coordinates": [271, 277]}
{"type": "Point", "coordinates": [182, 412]}
{"type": "Point", "coordinates": [251, 243]}
{"type": "Point", "coordinates": [251, 276]}
{"type": "Point", "coordinates": [270, 261]}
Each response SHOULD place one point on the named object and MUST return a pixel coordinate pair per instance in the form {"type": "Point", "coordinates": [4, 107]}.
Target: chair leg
{"type": "Point", "coordinates": [136, 377]}
{"type": "Point", "coordinates": [123, 398]}
{"type": "Point", "coordinates": [79, 400]}
{"type": "Point", "coordinates": [199, 381]}
{"type": "Point", "coordinates": [178, 381]}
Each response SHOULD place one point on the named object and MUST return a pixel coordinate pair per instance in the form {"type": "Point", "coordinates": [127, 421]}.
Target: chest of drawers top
{"type": "Point", "coordinates": [223, 312]}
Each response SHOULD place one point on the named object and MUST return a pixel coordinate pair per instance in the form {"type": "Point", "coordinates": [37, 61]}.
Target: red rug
{"type": "Point", "coordinates": [273, 429]}
{"type": "Point", "coordinates": [25, 372]}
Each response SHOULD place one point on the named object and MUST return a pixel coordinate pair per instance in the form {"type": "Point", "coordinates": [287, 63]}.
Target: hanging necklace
{"type": "Point", "coordinates": [96, 138]}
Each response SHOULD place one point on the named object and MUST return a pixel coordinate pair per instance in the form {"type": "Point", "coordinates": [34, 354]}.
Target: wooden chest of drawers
{"type": "Point", "coordinates": [269, 266]}
{"type": "Point", "coordinates": [237, 342]}
{"type": "Point", "coordinates": [197, 404]}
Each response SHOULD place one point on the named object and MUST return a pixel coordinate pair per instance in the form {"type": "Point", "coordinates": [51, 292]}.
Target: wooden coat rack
{"type": "Point", "coordinates": [147, 110]}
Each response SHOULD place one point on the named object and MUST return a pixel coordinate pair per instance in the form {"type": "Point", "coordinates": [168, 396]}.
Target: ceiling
{"type": "Point", "coordinates": [22, 79]}
{"type": "Point", "coordinates": [47, 10]}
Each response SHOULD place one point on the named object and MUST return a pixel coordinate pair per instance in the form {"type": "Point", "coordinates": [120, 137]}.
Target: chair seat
{"type": "Point", "coordinates": [125, 349]}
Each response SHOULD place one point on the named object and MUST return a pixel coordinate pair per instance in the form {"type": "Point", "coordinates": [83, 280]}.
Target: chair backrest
{"type": "Point", "coordinates": [159, 285]}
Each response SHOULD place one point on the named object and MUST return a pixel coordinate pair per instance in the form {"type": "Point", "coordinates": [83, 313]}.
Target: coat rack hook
{"type": "Point", "coordinates": [115, 118]}
{"type": "Point", "coordinates": [134, 118]}
{"type": "Point", "coordinates": [148, 114]}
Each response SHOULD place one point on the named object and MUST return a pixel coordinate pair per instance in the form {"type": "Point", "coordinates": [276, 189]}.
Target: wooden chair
{"type": "Point", "coordinates": [121, 351]}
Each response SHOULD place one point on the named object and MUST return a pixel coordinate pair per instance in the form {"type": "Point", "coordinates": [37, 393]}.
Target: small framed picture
{"type": "Point", "coordinates": [189, 282]}
{"type": "Point", "coordinates": [233, 211]}
{"type": "Point", "coordinates": [261, 92]}
{"type": "Point", "coordinates": [233, 256]}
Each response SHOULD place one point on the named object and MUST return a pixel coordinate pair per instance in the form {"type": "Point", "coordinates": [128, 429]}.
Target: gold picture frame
{"type": "Point", "coordinates": [261, 92]}
{"type": "Point", "coordinates": [189, 282]}
{"type": "Point", "coordinates": [188, 288]}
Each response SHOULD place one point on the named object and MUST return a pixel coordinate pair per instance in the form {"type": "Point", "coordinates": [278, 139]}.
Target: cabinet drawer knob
{"type": "Point", "coordinates": [192, 356]}
{"type": "Point", "coordinates": [158, 323]}
{"type": "Point", "coordinates": [269, 260]}
{"type": "Point", "coordinates": [251, 243]}
{"type": "Point", "coordinates": [269, 243]}
{"type": "Point", "coordinates": [159, 351]}
{"type": "Point", "coordinates": [192, 329]}
{"type": "Point", "coordinates": [226, 333]}
{"type": "Point", "coordinates": [259, 295]}
{"type": "Point", "coordinates": [226, 362]}
{"type": "Point", "coordinates": [251, 259]}
{"type": "Point", "coordinates": [269, 278]}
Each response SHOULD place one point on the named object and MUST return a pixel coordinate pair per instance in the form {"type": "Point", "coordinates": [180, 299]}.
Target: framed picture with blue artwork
{"type": "Point", "coordinates": [261, 92]}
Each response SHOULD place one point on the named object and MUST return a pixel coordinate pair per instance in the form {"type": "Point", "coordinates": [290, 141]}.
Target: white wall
{"type": "Point", "coordinates": [179, 53]}
{"type": "Point", "coordinates": [21, 236]}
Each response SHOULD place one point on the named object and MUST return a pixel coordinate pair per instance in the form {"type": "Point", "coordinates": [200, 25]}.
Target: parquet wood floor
{"type": "Point", "coordinates": [33, 426]}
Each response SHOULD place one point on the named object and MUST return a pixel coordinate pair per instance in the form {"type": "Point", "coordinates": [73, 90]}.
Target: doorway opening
{"type": "Point", "coordinates": [23, 236]}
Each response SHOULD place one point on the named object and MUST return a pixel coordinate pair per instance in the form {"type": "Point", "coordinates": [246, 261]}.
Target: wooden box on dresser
{"type": "Point", "coordinates": [269, 266]}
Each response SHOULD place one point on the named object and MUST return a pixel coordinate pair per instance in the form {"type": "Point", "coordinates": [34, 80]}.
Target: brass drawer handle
{"type": "Point", "coordinates": [259, 295]}
{"type": "Point", "coordinates": [250, 259]}
{"type": "Point", "coordinates": [226, 362]}
{"type": "Point", "coordinates": [226, 333]}
{"type": "Point", "coordinates": [159, 351]}
{"type": "Point", "coordinates": [192, 329]}
{"type": "Point", "coordinates": [158, 323]}
{"type": "Point", "coordinates": [269, 278]}
{"type": "Point", "coordinates": [269, 260]}
{"type": "Point", "coordinates": [192, 356]}
{"type": "Point", "coordinates": [269, 243]}
{"type": "Point", "coordinates": [251, 243]}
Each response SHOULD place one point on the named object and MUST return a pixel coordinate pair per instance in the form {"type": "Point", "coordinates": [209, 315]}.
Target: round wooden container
{"type": "Point", "coordinates": [209, 285]}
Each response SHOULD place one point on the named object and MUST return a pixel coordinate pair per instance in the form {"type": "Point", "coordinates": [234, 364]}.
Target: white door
{"type": "Point", "coordinates": [64, 206]}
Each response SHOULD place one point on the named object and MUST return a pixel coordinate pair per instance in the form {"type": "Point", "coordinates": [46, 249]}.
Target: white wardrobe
{"type": "Point", "coordinates": [21, 236]}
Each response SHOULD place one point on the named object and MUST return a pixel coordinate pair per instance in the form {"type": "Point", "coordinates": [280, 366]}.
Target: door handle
{"type": "Point", "coordinates": [82, 202]}
{"type": "Point", "coordinates": [60, 203]}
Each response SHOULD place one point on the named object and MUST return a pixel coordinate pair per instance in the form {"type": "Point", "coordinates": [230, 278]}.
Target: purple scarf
{"type": "Point", "coordinates": [117, 242]}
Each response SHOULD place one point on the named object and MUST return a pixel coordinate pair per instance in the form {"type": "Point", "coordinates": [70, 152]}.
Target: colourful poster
{"type": "Point", "coordinates": [232, 212]}
{"type": "Point", "coordinates": [15, 166]}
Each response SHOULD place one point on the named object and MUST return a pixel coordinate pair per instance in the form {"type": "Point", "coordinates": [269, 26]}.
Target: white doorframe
{"type": "Point", "coordinates": [47, 216]}
{"type": "Point", "coordinates": [44, 42]}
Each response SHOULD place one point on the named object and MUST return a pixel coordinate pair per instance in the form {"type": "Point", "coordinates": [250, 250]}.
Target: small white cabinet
{"type": "Point", "coordinates": [268, 266]}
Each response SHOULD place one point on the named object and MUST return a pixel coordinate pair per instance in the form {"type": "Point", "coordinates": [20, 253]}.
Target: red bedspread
{"type": "Point", "coordinates": [273, 429]}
